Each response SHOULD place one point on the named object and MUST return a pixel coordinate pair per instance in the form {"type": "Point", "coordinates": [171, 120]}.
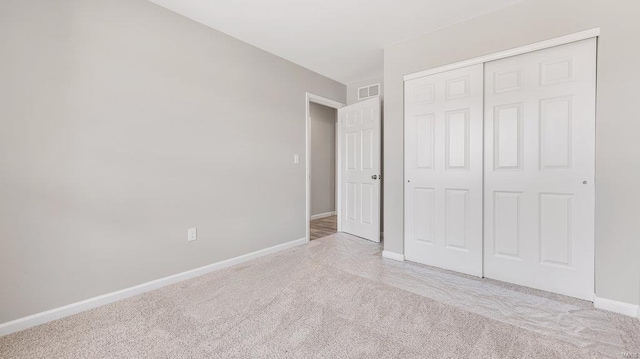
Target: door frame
{"type": "Point", "coordinates": [558, 41]}
{"type": "Point", "coordinates": [310, 97]}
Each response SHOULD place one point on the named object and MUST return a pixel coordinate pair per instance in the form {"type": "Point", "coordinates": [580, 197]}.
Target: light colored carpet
{"type": "Point", "coordinates": [333, 298]}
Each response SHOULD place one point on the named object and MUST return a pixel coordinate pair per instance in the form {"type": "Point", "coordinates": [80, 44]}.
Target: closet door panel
{"type": "Point", "coordinates": [443, 170]}
{"type": "Point", "coordinates": [539, 169]}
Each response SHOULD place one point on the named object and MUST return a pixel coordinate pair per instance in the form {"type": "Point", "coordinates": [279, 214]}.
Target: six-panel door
{"type": "Point", "coordinates": [539, 169]}
{"type": "Point", "coordinates": [443, 170]}
{"type": "Point", "coordinates": [361, 174]}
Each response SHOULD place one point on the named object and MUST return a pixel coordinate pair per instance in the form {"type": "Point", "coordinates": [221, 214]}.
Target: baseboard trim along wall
{"type": "Point", "coordinates": [394, 256]}
{"type": "Point", "coordinates": [630, 310]}
{"type": "Point", "coordinates": [323, 215]}
{"type": "Point", "coordinates": [74, 308]}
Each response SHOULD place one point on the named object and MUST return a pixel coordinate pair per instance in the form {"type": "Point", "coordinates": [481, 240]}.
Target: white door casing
{"type": "Point", "coordinates": [360, 143]}
{"type": "Point", "coordinates": [443, 170]}
{"type": "Point", "coordinates": [332, 104]}
{"type": "Point", "coordinates": [540, 169]}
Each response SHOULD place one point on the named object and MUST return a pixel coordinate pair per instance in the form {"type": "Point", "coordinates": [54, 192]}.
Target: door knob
{"type": "Point", "coordinates": [374, 177]}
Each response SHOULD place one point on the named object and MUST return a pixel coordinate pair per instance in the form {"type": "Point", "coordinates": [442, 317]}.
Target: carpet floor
{"type": "Point", "coordinates": [335, 297]}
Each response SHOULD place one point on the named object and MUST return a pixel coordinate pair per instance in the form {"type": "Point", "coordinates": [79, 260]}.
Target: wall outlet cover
{"type": "Point", "coordinates": [192, 234]}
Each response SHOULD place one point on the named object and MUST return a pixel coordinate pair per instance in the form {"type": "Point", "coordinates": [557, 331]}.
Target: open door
{"type": "Point", "coordinates": [360, 136]}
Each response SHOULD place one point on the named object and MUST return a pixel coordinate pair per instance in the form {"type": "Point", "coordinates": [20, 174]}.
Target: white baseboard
{"type": "Point", "coordinates": [74, 308]}
{"type": "Point", "coordinates": [323, 215]}
{"type": "Point", "coordinates": [394, 256]}
{"type": "Point", "coordinates": [630, 310]}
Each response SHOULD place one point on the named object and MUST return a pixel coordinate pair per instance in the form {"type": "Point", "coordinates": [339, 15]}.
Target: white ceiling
{"type": "Point", "coordinates": [340, 39]}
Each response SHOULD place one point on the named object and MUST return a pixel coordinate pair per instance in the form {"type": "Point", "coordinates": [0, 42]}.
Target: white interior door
{"type": "Point", "coordinates": [540, 168]}
{"type": "Point", "coordinates": [443, 170]}
{"type": "Point", "coordinates": [360, 138]}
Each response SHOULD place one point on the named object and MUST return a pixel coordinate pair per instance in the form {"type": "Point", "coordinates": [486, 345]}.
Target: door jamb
{"type": "Point", "coordinates": [336, 105]}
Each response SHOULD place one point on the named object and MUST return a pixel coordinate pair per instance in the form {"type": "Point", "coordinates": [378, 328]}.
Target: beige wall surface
{"type": "Point", "coordinates": [618, 124]}
{"type": "Point", "coordinates": [123, 124]}
{"type": "Point", "coordinates": [352, 89]}
{"type": "Point", "coordinates": [323, 158]}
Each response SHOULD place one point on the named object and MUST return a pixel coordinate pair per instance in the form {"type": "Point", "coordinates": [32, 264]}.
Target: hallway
{"type": "Point", "coordinates": [323, 227]}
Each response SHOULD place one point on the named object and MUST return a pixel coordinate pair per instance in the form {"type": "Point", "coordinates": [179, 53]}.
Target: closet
{"type": "Point", "coordinates": [500, 167]}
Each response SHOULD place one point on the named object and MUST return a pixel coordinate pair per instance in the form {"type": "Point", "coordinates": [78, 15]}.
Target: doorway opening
{"type": "Point", "coordinates": [358, 165]}
{"type": "Point", "coordinates": [322, 159]}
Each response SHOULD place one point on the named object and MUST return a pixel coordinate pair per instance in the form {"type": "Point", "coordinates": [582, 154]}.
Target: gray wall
{"type": "Point", "coordinates": [618, 124]}
{"type": "Point", "coordinates": [122, 125]}
{"type": "Point", "coordinates": [323, 158]}
{"type": "Point", "coordinates": [352, 89]}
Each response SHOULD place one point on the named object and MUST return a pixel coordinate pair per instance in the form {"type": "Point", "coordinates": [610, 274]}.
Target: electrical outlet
{"type": "Point", "coordinates": [296, 159]}
{"type": "Point", "coordinates": [192, 234]}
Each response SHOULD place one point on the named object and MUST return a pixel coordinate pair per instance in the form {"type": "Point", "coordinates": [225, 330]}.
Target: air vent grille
{"type": "Point", "coordinates": [374, 90]}
{"type": "Point", "coordinates": [363, 92]}
{"type": "Point", "coordinates": [368, 91]}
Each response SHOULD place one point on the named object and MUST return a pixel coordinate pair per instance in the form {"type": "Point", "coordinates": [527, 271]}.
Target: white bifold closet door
{"type": "Point", "coordinates": [443, 170]}
{"type": "Point", "coordinates": [540, 168]}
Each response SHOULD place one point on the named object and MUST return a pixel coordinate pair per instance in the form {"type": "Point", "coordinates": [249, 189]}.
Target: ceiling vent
{"type": "Point", "coordinates": [368, 91]}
